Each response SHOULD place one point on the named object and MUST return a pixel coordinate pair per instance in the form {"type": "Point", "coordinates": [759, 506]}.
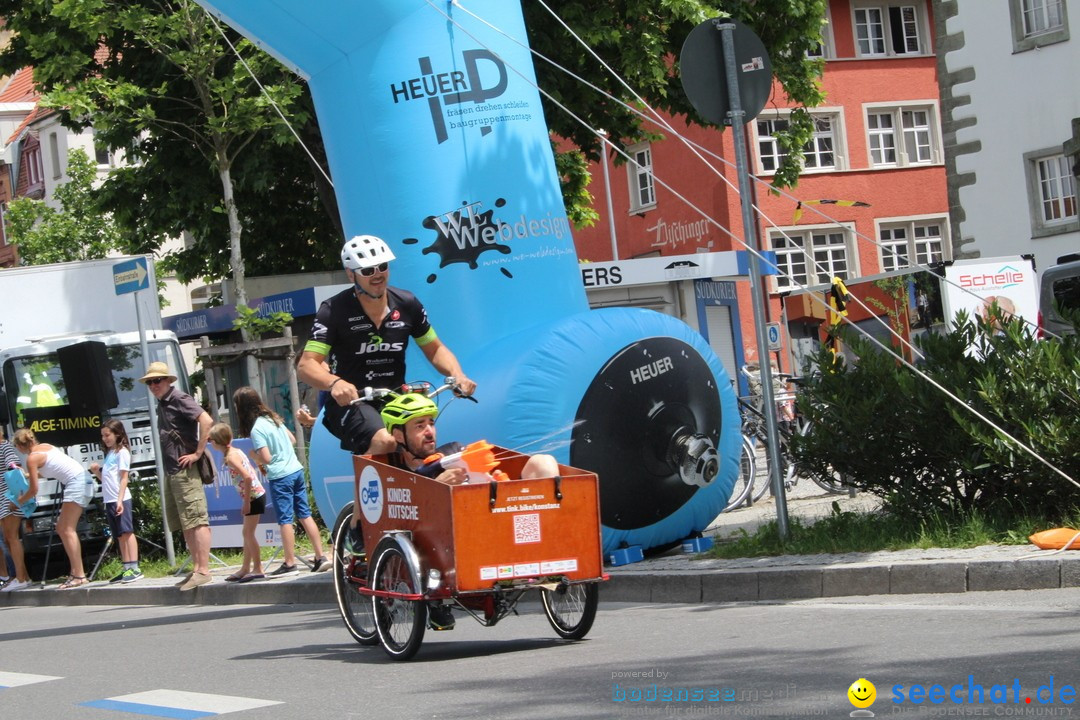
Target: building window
{"type": "Point", "coordinates": [32, 158]}
{"type": "Point", "coordinates": [884, 30]}
{"type": "Point", "coordinates": [824, 49]}
{"type": "Point", "coordinates": [54, 151]}
{"type": "Point", "coordinates": [102, 156]}
{"type": "Point", "coordinates": [818, 154]}
{"type": "Point", "coordinates": [902, 136]}
{"type": "Point", "coordinates": [1037, 23]}
{"type": "Point", "coordinates": [921, 239]}
{"type": "Point", "coordinates": [1052, 194]}
{"type": "Point", "coordinates": [810, 256]}
{"type": "Point", "coordinates": [642, 187]}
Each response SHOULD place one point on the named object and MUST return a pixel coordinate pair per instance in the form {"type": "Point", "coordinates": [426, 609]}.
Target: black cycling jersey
{"type": "Point", "coordinates": [360, 353]}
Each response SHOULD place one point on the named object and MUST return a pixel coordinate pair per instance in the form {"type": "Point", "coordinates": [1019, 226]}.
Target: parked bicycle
{"type": "Point", "coordinates": [790, 422]}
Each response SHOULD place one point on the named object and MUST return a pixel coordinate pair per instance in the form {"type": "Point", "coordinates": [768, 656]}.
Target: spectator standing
{"type": "Point", "coordinates": [184, 428]}
{"type": "Point", "coordinates": [10, 517]}
{"type": "Point", "coordinates": [274, 451]}
{"type": "Point", "coordinates": [252, 501]}
{"type": "Point", "coordinates": [113, 475]}
{"type": "Point", "coordinates": [45, 460]}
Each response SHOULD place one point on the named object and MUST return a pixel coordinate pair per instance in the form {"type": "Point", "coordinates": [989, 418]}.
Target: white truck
{"type": "Point", "coordinates": [65, 335]}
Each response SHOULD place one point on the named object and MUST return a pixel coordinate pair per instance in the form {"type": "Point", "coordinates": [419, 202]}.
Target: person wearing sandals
{"type": "Point", "coordinates": [276, 454]}
{"type": "Point", "coordinates": [253, 501]}
{"type": "Point", "coordinates": [113, 475]}
{"type": "Point", "coordinates": [45, 460]}
{"type": "Point", "coordinates": [10, 517]}
{"type": "Point", "coordinates": [183, 427]}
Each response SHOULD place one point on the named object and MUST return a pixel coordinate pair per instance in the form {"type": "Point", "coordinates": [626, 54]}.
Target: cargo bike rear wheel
{"type": "Point", "coordinates": [350, 574]}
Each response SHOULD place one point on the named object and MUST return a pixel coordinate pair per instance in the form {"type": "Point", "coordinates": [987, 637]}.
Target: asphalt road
{"type": "Point", "coordinates": [791, 659]}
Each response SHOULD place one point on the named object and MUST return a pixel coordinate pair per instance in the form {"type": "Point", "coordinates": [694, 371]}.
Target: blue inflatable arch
{"type": "Point", "coordinates": [437, 143]}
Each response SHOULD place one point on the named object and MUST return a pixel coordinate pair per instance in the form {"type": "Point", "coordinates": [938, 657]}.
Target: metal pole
{"type": "Point", "coordinates": [211, 381]}
{"type": "Point", "coordinates": [757, 291]}
{"type": "Point", "coordinates": [294, 398]}
{"type": "Point", "coordinates": [607, 192]}
{"type": "Point", "coordinates": [155, 437]}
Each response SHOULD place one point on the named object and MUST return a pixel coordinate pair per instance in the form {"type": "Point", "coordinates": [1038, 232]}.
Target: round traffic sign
{"type": "Point", "coordinates": [704, 76]}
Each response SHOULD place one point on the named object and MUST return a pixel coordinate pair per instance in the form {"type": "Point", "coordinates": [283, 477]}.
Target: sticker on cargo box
{"type": "Point", "coordinates": [506, 571]}
{"type": "Point", "coordinates": [526, 529]}
{"type": "Point", "coordinates": [556, 567]}
{"type": "Point", "coordinates": [526, 569]}
{"type": "Point", "coordinates": [488, 573]}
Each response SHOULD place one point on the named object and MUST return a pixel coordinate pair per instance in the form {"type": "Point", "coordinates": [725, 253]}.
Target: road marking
{"type": "Point", "coordinates": [178, 704]}
{"type": "Point", "coordinates": [10, 679]}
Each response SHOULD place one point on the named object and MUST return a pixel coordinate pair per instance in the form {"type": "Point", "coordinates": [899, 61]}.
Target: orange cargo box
{"type": "Point", "coordinates": [480, 535]}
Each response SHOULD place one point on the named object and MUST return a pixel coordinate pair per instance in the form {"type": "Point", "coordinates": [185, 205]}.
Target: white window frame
{"type": "Point", "coordinates": [1051, 192]}
{"type": "Point", "coordinates": [34, 171]}
{"type": "Point", "coordinates": [828, 45]}
{"type": "Point", "coordinates": [834, 115]}
{"type": "Point", "coordinates": [1027, 38]}
{"type": "Point", "coordinates": [789, 260]}
{"type": "Point", "coordinates": [640, 178]}
{"type": "Point", "coordinates": [917, 246]}
{"type": "Point", "coordinates": [917, 27]}
{"type": "Point", "coordinates": [54, 152]}
{"type": "Point", "coordinates": [905, 135]}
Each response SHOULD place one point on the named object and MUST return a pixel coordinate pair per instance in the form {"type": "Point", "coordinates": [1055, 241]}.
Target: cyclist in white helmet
{"type": "Point", "coordinates": [364, 331]}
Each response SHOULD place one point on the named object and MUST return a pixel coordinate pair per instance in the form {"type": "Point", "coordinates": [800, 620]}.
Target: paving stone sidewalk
{"type": "Point", "coordinates": [676, 577]}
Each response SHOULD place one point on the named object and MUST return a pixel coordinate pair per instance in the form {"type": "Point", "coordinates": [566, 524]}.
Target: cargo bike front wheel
{"type": "Point", "coordinates": [400, 611]}
{"type": "Point", "coordinates": [571, 608]}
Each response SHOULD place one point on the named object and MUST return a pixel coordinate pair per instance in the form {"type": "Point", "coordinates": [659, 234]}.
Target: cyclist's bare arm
{"type": "Point", "coordinates": [312, 369]}
{"type": "Point", "coordinates": [443, 360]}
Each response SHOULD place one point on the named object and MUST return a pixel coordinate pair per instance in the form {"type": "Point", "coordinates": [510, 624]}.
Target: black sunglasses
{"type": "Point", "coordinates": [369, 271]}
{"type": "Point", "coordinates": [155, 381]}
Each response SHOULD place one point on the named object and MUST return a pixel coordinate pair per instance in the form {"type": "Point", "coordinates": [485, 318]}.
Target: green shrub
{"type": "Point", "coordinates": [891, 432]}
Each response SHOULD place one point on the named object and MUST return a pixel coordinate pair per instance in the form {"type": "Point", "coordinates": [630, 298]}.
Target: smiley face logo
{"type": "Point", "coordinates": [862, 693]}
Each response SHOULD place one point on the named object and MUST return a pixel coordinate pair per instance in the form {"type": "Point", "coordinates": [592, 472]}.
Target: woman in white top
{"type": "Point", "coordinates": [45, 460]}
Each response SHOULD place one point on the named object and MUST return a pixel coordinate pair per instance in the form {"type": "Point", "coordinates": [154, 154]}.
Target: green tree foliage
{"type": "Point", "coordinates": [641, 41]}
{"type": "Point", "coordinates": [893, 433]}
{"type": "Point", "coordinates": [76, 229]}
{"type": "Point", "coordinates": [156, 81]}
{"type": "Point", "coordinates": [208, 154]}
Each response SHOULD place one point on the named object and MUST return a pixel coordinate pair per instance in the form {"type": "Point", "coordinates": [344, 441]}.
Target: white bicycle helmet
{"type": "Point", "coordinates": [365, 251]}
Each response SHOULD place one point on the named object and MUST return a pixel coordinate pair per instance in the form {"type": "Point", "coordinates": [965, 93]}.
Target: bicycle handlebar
{"type": "Point", "coordinates": [367, 394]}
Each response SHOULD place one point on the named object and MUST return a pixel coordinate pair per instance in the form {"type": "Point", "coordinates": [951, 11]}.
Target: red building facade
{"type": "Point", "coordinates": [877, 150]}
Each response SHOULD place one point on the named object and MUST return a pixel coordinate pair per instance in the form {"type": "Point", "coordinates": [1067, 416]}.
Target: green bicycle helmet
{"type": "Point", "coordinates": [404, 408]}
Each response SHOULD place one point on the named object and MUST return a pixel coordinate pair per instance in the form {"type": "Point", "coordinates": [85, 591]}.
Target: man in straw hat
{"type": "Point", "coordinates": [184, 428]}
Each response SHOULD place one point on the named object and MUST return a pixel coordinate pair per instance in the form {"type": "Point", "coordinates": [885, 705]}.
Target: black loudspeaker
{"type": "Point", "coordinates": [88, 378]}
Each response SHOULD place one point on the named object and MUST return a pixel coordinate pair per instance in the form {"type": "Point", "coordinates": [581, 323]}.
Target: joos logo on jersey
{"type": "Point", "coordinates": [372, 347]}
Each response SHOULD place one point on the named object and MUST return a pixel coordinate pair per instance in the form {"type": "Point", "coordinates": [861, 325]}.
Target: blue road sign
{"type": "Point", "coordinates": [131, 276]}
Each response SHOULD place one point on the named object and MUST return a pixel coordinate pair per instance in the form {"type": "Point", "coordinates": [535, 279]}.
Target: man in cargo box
{"type": "Point", "coordinates": [410, 421]}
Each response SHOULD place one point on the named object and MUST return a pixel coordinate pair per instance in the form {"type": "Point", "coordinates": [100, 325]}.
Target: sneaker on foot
{"type": "Point", "coordinates": [321, 565]}
{"type": "Point", "coordinates": [440, 617]}
{"type": "Point", "coordinates": [284, 570]}
{"type": "Point", "coordinates": [354, 541]}
{"type": "Point", "coordinates": [195, 581]}
{"type": "Point", "coordinates": [15, 584]}
{"type": "Point", "coordinates": [130, 575]}
{"type": "Point", "coordinates": [184, 581]}
{"type": "Point", "coordinates": [119, 577]}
